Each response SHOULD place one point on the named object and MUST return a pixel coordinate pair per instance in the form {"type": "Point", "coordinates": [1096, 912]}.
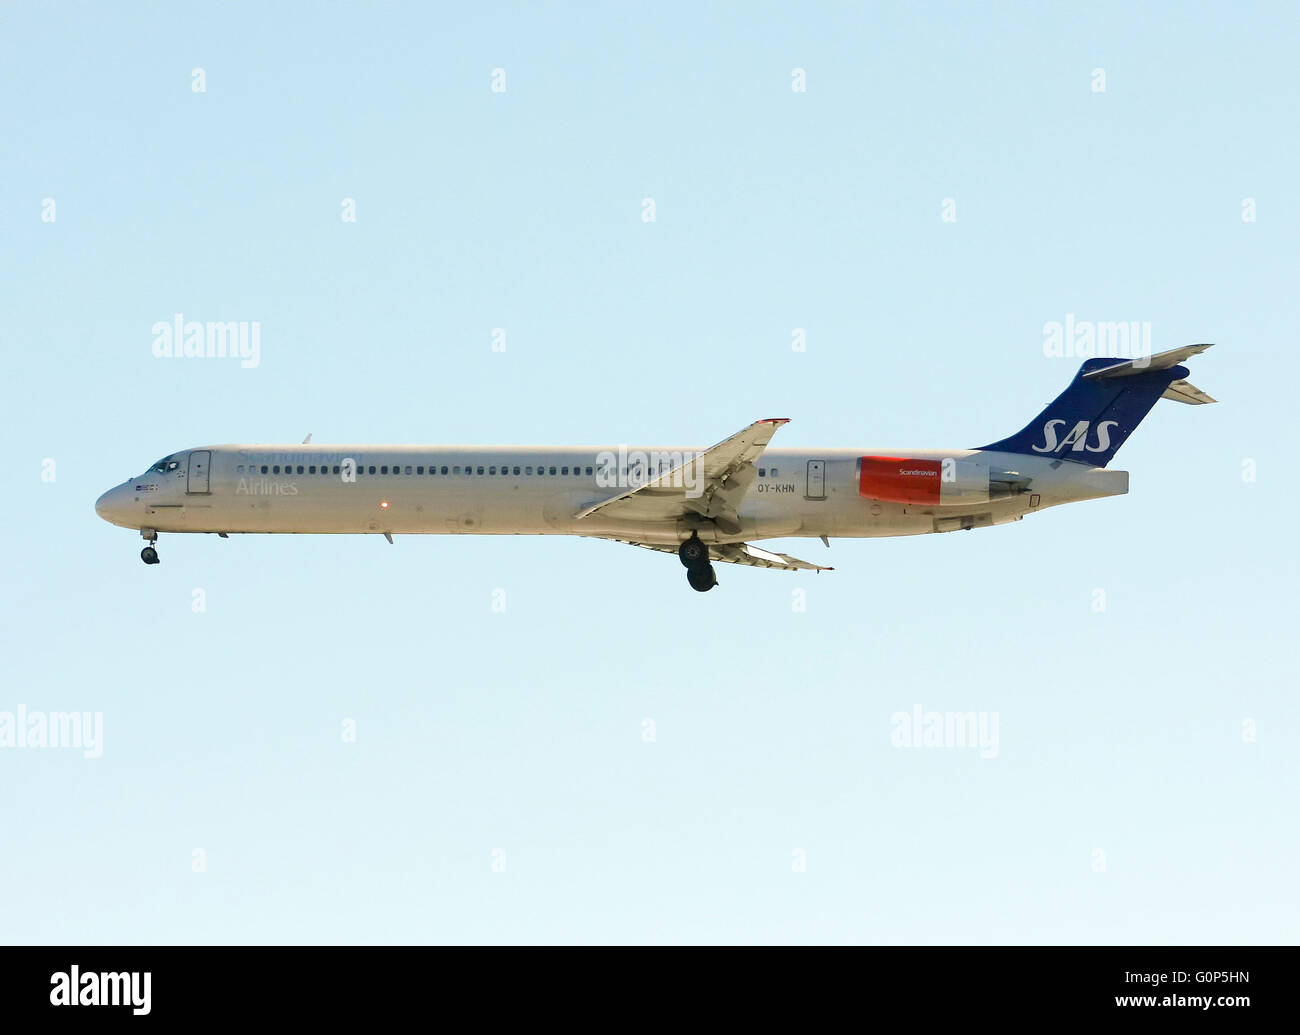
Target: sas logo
{"type": "Point", "coordinates": [1077, 439]}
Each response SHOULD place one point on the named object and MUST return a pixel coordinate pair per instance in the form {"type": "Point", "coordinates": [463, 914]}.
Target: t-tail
{"type": "Point", "coordinates": [1103, 405]}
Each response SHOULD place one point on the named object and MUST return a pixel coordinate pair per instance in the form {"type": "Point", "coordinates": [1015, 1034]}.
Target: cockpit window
{"type": "Point", "coordinates": [164, 465]}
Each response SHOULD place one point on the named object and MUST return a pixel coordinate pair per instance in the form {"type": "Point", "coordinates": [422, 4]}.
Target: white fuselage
{"type": "Point", "coordinates": [540, 490]}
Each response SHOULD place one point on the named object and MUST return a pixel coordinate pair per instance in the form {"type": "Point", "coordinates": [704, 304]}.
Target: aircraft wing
{"type": "Point", "coordinates": [735, 553]}
{"type": "Point", "coordinates": [710, 485]}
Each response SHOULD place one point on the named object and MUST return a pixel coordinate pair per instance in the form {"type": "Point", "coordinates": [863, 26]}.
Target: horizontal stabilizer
{"type": "Point", "coordinates": [1145, 364]}
{"type": "Point", "coordinates": [1186, 392]}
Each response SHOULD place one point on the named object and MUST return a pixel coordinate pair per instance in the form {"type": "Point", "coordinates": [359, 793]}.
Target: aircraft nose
{"type": "Point", "coordinates": [110, 506]}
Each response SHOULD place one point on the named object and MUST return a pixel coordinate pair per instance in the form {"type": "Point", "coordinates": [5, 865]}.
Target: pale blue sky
{"type": "Point", "coordinates": [1120, 731]}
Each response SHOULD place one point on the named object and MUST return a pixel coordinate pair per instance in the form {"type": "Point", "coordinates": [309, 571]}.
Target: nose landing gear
{"type": "Point", "coordinates": [149, 555]}
{"type": "Point", "coordinates": [694, 555]}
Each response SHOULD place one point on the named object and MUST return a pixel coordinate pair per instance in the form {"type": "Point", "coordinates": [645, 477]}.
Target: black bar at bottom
{"type": "Point", "coordinates": [153, 985]}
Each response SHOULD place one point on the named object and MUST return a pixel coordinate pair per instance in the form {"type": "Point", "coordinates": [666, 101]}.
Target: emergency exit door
{"type": "Point", "coordinates": [816, 480]}
{"type": "Point", "coordinates": [197, 478]}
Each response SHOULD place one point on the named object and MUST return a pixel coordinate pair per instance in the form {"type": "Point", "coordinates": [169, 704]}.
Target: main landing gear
{"type": "Point", "coordinates": [694, 555]}
{"type": "Point", "coordinates": [149, 555]}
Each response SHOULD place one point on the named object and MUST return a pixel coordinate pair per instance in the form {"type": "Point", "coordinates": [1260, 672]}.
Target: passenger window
{"type": "Point", "coordinates": [419, 470]}
{"type": "Point", "coordinates": [762, 472]}
{"type": "Point", "coordinates": [516, 470]}
{"type": "Point", "coordinates": [407, 469]}
{"type": "Point", "coordinates": [588, 472]}
{"type": "Point", "coordinates": [275, 469]}
{"type": "Point", "coordinates": [455, 470]}
{"type": "Point", "coordinates": [444, 470]}
{"type": "Point", "coordinates": [336, 468]}
{"type": "Point", "coordinates": [528, 470]}
{"type": "Point", "coordinates": [552, 470]}
{"type": "Point", "coordinates": [480, 470]}
{"type": "Point", "coordinates": [264, 468]}
{"type": "Point", "coordinates": [773, 472]}
{"type": "Point", "coordinates": [492, 470]}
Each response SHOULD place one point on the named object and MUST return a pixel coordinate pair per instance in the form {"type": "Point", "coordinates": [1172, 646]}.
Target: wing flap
{"type": "Point", "coordinates": [748, 553]}
{"type": "Point", "coordinates": [733, 553]}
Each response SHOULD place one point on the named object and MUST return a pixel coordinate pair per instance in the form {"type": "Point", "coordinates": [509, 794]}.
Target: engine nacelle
{"type": "Point", "coordinates": [936, 483]}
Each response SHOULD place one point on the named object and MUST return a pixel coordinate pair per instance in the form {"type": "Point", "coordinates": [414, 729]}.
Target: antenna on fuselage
{"type": "Point", "coordinates": [307, 439]}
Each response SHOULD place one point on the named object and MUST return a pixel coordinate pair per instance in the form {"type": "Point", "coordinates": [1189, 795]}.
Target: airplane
{"type": "Point", "coordinates": [705, 505]}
